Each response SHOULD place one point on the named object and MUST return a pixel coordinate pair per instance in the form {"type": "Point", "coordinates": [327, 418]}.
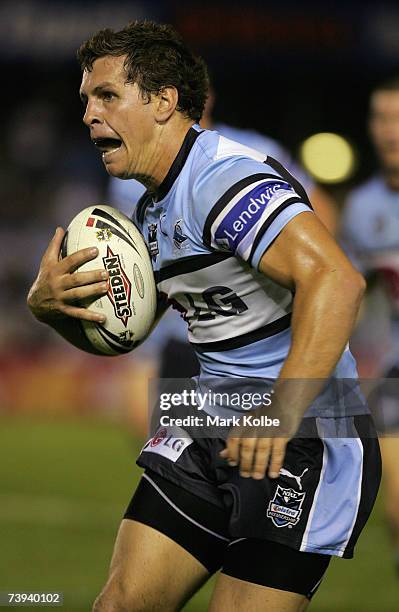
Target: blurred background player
{"type": "Point", "coordinates": [168, 344]}
{"type": "Point", "coordinates": [370, 229]}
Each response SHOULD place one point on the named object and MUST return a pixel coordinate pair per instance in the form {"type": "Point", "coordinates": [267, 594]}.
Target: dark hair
{"type": "Point", "coordinates": [156, 57]}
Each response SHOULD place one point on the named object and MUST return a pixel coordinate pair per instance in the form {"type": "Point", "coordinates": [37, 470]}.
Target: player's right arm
{"type": "Point", "coordinates": [54, 296]}
{"type": "Point", "coordinates": [58, 288]}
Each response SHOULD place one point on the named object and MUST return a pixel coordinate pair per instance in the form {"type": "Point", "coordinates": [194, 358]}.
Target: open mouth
{"type": "Point", "coordinates": [107, 145]}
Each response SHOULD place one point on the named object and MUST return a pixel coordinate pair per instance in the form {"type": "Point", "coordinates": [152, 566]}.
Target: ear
{"type": "Point", "coordinates": [165, 103]}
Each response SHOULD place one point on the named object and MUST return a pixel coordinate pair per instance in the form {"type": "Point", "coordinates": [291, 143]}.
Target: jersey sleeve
{"type": "Point", "coordinates": [260, 199]}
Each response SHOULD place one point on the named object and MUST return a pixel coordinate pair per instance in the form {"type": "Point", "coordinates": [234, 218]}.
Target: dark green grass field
{"type": "Point", "coordinates": [64, 485]}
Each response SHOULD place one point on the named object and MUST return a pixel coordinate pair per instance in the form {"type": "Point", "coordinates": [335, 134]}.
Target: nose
{"type": "Point", "coordinates": [92, 114]}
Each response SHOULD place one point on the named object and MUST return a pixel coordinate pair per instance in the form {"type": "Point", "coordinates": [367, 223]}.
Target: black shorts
{"type": "Point", "coordinates": [202, 529]}
{"type": "Point", "coordinates": [320, 502]}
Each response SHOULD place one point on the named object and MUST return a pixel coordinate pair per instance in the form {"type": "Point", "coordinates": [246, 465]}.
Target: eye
{"type": "Point", "coordinates": [108, 96]}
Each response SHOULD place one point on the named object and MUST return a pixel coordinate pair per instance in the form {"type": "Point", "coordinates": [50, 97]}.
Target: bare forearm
{"type": "Point", "coordinates": [322, 321]}
{"type": "Point", "coordinates": [323, 317]}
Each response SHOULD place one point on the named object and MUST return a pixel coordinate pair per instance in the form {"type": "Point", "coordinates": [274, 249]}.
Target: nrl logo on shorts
{"type": "Point", "coordinates": [285, 508]}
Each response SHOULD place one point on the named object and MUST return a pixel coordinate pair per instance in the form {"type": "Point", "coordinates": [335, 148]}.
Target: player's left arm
{"type": "Point", "coordinates": [327, 294]}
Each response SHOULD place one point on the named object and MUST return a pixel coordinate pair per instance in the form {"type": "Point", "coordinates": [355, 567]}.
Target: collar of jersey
{"type": "Point", "coordinates": [178, 162]}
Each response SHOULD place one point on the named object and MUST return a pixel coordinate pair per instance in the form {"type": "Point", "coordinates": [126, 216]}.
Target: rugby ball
{"type": "Point", "coordinates": [130, 303]}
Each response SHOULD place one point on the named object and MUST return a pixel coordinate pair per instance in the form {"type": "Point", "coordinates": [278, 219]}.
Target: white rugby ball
{"type": "Point", "coordinates": [130, 304]}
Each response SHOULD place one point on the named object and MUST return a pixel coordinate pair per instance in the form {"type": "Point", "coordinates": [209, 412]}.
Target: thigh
{"type": "Point", "coordinates": [168, 544]}
{"type": "Point", "coordinates": [268, 576]}
{"type": "Point", "coordinates": [149, 571]}
{"type": "Point", "coordinates": [234, 595]}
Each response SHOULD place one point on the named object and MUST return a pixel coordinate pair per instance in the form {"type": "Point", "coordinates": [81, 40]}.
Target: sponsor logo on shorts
{"type": "Point", "coordinates": [159, 436]}
{"type": "Point", "coordinates": [298, 479]}
{"type": "Point", "coordinates": [168, 443]}
{"type": "Point", "coordinates": [285, 508]}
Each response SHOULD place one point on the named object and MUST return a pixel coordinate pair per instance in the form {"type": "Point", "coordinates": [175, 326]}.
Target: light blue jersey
{"type": "Point", "coordinates": [125, 195]}
{"type": "Point", "coordinates": [217, 212]}
{"type": "Point", "coordinates": [370, 234]}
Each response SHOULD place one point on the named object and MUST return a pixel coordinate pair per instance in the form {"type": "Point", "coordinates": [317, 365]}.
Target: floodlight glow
{"type": "Point", "coordinates": [328, 157]}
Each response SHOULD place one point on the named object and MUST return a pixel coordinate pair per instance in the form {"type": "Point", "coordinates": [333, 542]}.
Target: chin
{"type": "Point", "coordinates": [120, 173]}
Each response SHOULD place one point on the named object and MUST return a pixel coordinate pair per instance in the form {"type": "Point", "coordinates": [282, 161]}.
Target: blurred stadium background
{"type": "Point", "coordinates": [68, 432]}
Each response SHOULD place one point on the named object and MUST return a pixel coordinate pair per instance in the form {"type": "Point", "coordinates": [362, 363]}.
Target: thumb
{"type": "Point", "coordinates": [53, 250]}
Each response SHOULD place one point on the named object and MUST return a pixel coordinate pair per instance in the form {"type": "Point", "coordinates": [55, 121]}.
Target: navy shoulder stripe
{"type": "Point", "coordinates": [139, 213]}
{"type": "Point", "coordinates": [226, 198]}
{"type": "Point", "coordinates": [278, 167]}
{"type": "Point", "coordinates": [269, 221]}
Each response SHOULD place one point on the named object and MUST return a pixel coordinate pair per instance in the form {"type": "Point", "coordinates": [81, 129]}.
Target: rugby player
{"type": "Point", "coordinates": [267, 294]}
{"type": "Point", "coordinates": [371, 238]}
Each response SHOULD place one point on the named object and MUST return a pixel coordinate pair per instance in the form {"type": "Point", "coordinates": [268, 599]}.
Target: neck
{"type": "Point", "coordinates": [166, 144]}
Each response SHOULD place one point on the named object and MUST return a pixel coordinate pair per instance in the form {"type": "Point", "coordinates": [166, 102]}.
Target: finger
{"type": "Point", "coordinates": [78, 279]}
{"type": "Point", "coordinates": [232, 451]}
{"type": "Point", "coordinates": [247, 449]}
{"type": "Point", "coordinates": [87, 291]}
{"type": "Point", "coordinates": [261, 459]}
{"type": "Point", "coordinates": [277, 456]}
{"type": "Point", "coordinates": [53, 250]}
{"type": "Point", "coordinates": [83, 314]}
{"type": "Point", "coordinates": [75, 260]}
